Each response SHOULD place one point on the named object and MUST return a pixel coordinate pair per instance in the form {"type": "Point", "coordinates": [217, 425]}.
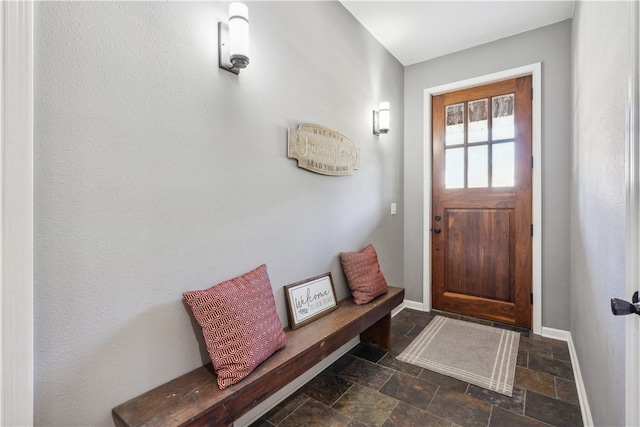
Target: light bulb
{"type": "Point", "coordinates": [239, 35]}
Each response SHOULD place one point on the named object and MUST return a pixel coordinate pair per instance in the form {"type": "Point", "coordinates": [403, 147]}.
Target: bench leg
{"type": "Point", "coordinates": [379, 333]}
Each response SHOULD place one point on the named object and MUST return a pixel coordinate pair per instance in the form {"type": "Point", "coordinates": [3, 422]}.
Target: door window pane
{"type": "Point", "coordinates": [478, 167]}
{"type": "Point", "coordinates": [503, 124]}
{"type": "Point", "coordinates": [454, 167]}
{"type": "Point", "coordinates": [454, 132]}
{"type": "Point", "coordinates": [479, 120]}
{"type": "Point", "coordinates": [503, 165]}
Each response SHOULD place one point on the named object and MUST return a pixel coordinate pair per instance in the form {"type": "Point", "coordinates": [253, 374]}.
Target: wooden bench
{"type": "Point", "coordinates": [195, 399]}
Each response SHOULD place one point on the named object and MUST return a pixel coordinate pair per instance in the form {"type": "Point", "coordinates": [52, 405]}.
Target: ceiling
{"type": "Point", "coordinates": [415, 31]}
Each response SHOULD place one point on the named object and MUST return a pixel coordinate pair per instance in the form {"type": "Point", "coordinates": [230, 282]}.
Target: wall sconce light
{"type": "Point", "coordinates": [233, 39]}
{"type": "Point", "coordinates": [381, 119]}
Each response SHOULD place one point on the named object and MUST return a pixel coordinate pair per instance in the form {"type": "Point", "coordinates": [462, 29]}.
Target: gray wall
{"type": "Point", "coordinates": [158, 173]}
{"type": "Point", "coordinates": [551, 46]}
{"type": "Point", "coordinates": [601, 35]}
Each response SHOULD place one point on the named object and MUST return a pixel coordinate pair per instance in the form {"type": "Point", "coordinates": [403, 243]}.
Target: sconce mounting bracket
{"type": "Point", "coordinates": [224, 60]}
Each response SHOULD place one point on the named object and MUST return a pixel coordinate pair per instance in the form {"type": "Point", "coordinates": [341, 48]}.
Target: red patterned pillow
{"type": "Point", "coordinates": [239, 323]}
{"type": "Point", "coordinates": [363, 274]}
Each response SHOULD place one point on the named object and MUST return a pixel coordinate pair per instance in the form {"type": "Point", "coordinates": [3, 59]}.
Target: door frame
{"type": "Point", "coordinates": [632, 273]}
{"type": "Point", "coordinates": [16, 213]}
{"type": "Point", "coordinates": [535, 70]}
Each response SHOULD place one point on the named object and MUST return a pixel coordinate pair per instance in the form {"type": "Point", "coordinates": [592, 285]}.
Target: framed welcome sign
{"type": "Point", "coordinates": [310, 299]}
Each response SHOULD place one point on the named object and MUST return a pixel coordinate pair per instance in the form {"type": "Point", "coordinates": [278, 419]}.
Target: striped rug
{"type": "Point", "coordinates": [477, 354]}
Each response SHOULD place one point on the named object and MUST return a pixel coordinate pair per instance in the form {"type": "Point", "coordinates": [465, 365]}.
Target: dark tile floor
{"type": "Point", "coordinates": [370, 387]}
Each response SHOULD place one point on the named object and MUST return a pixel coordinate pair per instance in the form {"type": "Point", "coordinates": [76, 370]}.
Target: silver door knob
{"type": "Point", "coordinates": [620, 307]}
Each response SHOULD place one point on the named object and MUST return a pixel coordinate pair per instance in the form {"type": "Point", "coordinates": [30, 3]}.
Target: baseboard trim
{"type": "Point", "coordinates": [582, 391]}
{"type": "Point", "coordinates": [556, 334]}
{"type": "Point", "coordinates": [294, 385]}
{"type": "Point", "coordinates": [559, 334]}
{"type": "Point", "coordinates": [414, 305]}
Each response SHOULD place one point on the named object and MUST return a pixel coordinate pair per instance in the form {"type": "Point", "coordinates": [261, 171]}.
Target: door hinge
{"type": "Point", "coordinates": [531, 162]}
{"type": "Point", "coordinates": [532, 298]}
{"type": "Point", "coordinates": [531, 93]}
{"type": "Point", "coordinates": [532, 229]}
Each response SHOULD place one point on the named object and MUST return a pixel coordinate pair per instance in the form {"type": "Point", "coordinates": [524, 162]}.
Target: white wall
{"type": "Point", "coordinates": [551, 46]}
{"type": "Point", "coordinates": [156, 173]}
{"type": "Point", "coordinates": [601, 58]}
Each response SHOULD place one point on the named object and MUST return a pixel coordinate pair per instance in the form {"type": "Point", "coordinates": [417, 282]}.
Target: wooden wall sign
{"type": "Point", "coordinates": [323, 150]}
{"type": "Point", "coordinates": [310, 299]}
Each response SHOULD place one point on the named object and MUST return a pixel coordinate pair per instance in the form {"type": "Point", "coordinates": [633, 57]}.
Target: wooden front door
{"type": "Point", "coordinates": [482, 202]}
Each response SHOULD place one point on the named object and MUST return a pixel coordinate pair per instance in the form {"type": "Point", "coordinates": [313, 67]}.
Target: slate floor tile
{"type": "Point", "coordinates": [365, 405]}
{"type": "Point", "coordinates": [443, 381]}
{"type": "Point", "coordinates": [415, 331]}
{"type": "Point", "coordinates": [286, 407]}
{"type": "Point", "coordinates": [327, 388]}
{"type": "Point", "coordinates": [415, 317]}
{"type": "Point", "coordinates": [399, 343]}
{"type": "Point", "coordinates": [314, 414]}
{"type": "Point", "coordinates": [532, 345]}
{"type": "Point", "coordinates": [552, 411]}
{"type": "Point", "coordinates": [405, 415]}
{"type": "Point", "coordinates": [523, 358]}
{"type": "Point", "coordinates": [459, 408]}
{"type": "Point", "coordinates": [370, 352]}
{"type": "Point", "coordinates": [339, 365]}
{"type": "Point", "coordinates": [503, 418]}
{"type": "Point", "coordinates": [401, 328]}
{"type": "Point", "coordinates": [533, 380]}
{"type": "Point", "coordinates": [261, 422]}
{"type": "Point", "coordinates": [550, 341]}
{"type": "Point", "coordinates": [357, 392]}
{"type": "Point", "coordinates": [411, 390]}
{"type": "Point", "coordinates": [367, 374]}
{"type": "Point", "coordinates": [566, 390]}
{"type": "Point", "coordinates": [515, 403]}
{"type": "Point", "coordinates": [391, 362]}
{"type": "Point", "coordinates": [561, 352]}
{"type": "Point", "coordinates": [557, 368]}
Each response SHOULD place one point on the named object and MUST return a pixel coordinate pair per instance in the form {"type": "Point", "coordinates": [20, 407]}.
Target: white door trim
{"type": "Point", "coordinates": [536, 71]}
{"type": "Point", "coordinates": [632, 154]}
{"type": "Point", "coordinates": [16, 213]}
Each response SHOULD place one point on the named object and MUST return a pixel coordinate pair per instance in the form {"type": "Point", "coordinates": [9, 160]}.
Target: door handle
{"type": "Point", "coordinates": [620, 307]}
{"type": "Point", "coordinates": [437, 230]}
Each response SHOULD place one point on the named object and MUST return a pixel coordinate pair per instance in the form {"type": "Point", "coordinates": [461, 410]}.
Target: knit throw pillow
{"type": "Point", "coordinates": [239, 323]}
{"type": "Point", "coordinates": [363, 274]}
